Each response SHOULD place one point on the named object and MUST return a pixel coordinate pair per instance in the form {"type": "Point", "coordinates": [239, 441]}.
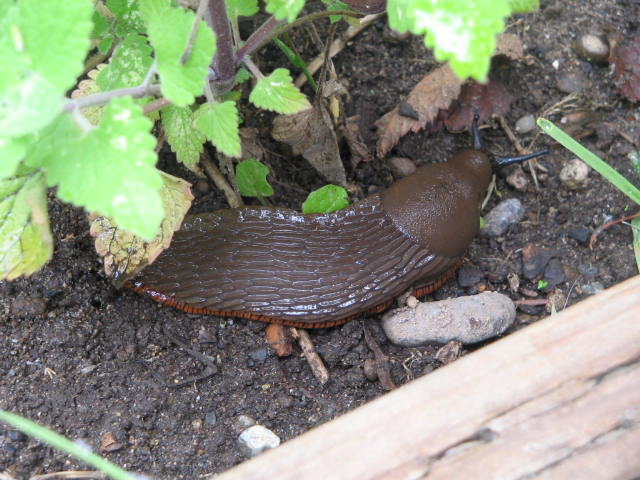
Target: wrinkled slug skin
{"type": "Point", "coordinates": [316, 270]}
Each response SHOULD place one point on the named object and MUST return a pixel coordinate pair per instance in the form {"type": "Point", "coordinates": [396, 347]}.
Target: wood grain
{"type": "Point", "coordinates": [558, 399]}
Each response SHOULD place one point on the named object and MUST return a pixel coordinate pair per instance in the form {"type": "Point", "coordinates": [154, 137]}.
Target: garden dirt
{"type": "Point", "coordinates": [100, 365]}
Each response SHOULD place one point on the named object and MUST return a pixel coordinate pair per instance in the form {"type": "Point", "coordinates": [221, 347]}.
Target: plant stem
{"type": "Point", "coordinates": [224, 63]}
{"type": "Point", "coordinates": [267, 31]}
{"type": "Point", "coordinates": [102, 98]}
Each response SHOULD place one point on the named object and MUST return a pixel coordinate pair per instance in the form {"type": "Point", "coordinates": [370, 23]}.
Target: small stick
{"type": "Point", "coordinates": [67, 475]}
{"type": "Point", "coordinates": [382, 361]}
{"type": "Point", "coordinates": [518, 146]}
{"type": "Point", "coordinates": [602, 228]}
{"type": "Point", "coordinates": [234, 200]}
{"type": "Point", "coordinates": [337, 45]}
{"type": "Point", "coordinates": [313, 359]}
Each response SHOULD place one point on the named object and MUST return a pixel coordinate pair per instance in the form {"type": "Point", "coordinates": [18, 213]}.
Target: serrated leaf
{"type": "Point", "coordinates": [12, 150]}
{"type": "Point", "coordinates": [128, 66]}
{"type": "Point", "coordinates": [277, 92]}
{"type": "Point", "coordinates": [459, 31]}
{"type": "Point", "coordinates": [168, 30]}
{"type": "Point", "coordinates": [326, 200]}
{"type": "Point", "coordinates": [90, 86]}
{"type": "Point", "coordinates": [282, 9]}
{"type": "Point", "coordinates": [252, 179]}
{"type": "Point", "coordinates": [40, 60]}
{"type": "Point", "coordinates": [109, 170]}
{"type": "Point", "coordinates": [241, 75]}
{"type": "Point", "coordinates": [237, 8]}
{"type": "Point", "coordinates": [220, 124]}
{"type": "Point", "coordinates": [25, 238]}
{"type": "Point", "coordinates": [124, 254]}
{"type": "Point", "coordinates": [128, 15]}
{"type": "Point", "coordinates": [185, 140]}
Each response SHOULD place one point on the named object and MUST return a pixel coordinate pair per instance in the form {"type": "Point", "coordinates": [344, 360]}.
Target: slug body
{"type": "Point", "coordinates": [320, 270]}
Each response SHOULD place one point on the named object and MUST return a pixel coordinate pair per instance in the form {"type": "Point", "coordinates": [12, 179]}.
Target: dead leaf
{"type": "Point", "coordinates": [280, 339]}
{"type": "Point", "coordinates": [449, 353]}
{"type": "Point", "coordinates": [435, 92]}
{"type": "Point", "coordinates": [489, 99]}
{"type": "Point", "coordinates": [626, 63]}
{"type": "Point", "coordinates": [353, 137]}
{"type": "Point", "coordinates": [311, 134]}
{"type": "Point", "coordinates": [124, 254]}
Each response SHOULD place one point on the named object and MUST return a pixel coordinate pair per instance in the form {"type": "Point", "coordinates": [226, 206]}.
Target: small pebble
{"type": "Point", "coordinates": [449, 353]}
{"type": "Point", "coordinates": [556, 301]}
{"type": "Point", "coordinates": [553, 273]}
{"type": "Point", "coordinates": [210, 418]}
{"type": "Point", "coordinates": [593, 48]}
{"type": "Point", "coordinates": [401, 167]}
{"type": "Point", "coordinates": [370, 369]}
{"type": "Point", "coordinates": [469, 276]}
{"type": "Point", "coordinates": [503, 215]}
{"type": "Point", "coordinates": [518, 179]}
{"type": "Point", "coordinates": [468, 320]}
{"type": "Point", "coordinates": [588, 270]}
{"type": "Point", "coordinates": [592, 288]}
{"type": "Point", "coordinates": [535, 260]}
{"type": "Point", "coordinates": [526, 124]}
{"type": "Point", "coordinates": [580, 234]}
{"type": "Point", "coordinates": [243, 422]}
{"type": "Point", "coordinates": [575, 174]}
{"type": "Point", "coordinates": [256, 439]}
{"type": "Point", "coordinates": [259, 355]}
{"type": "Point", "coordinates": [571, 82]}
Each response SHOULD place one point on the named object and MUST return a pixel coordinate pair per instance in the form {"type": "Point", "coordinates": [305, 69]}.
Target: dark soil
{"type": "Point", "coordinates": [89, 360]}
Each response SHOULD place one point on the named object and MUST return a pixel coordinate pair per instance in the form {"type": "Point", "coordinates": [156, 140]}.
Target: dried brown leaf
{"type": "Point", "coordinates": [433, 93]}
{"type": "Point", "coordinates": [489, 99]}
{"type": "Point", "coordinates": [311, 133]}
{"type": "Point", "coordinates": [124, 254]}
{"type": "Point", "coordinates": [626, 62]}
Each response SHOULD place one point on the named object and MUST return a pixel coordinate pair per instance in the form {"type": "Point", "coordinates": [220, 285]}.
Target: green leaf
{"type": "Point", "coordinates": [124, 253]}
{"type": "Point", "coordinates": [241, 75]}
{"type": "Point", "coordinates": [459, 31]}
{"type": "Point", "coordinates": [169, 30]}
{"type": "Point", "coordinates": [523, 6]}
{"type": "Point", "coordinates": [277, 92]}
{"type": "Point", "coordinates": [282, 9]}
{"type": "Point", "coordinates": [185, 140]}
{"type": "Point", "coordinates": [635, 227]}
{"type": "Point", "coordinates": [336, 5]}
{"type": "Point", "coordinates": [129, 16]}
{"type": "Point", "coordinates": [252, 179]}
{"type": "Point", "coordinates": [128, 66]}
{"type": "Point", "coordinates": [326, 200]}
{"type": "Point", "coordinates": [42, 47]}
{"type": "Point", "coordinates": [12, 150]}
{"type": "Point", "coordinates": [220, 125]}
{"type": "Point", "coordinates": [25, 238]}
{"type": "Point", "coordinates": [111, 169]}
{"type": "Point", "coordinates": [237, 8]}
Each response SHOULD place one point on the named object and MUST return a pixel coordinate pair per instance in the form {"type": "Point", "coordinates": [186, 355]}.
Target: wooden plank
{"type": "Point", "coordinates": [558, 399]}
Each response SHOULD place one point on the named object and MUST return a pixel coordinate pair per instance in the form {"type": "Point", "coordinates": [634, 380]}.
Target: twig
{"type": "Point", "coordinates": [603, 227]}
{"type": "Point", "coordinates": [518, 146]}
{"type": "Point", "coordinates": [102, 98]}
{"type": "Point", "coordinates": [313, 359]}
{"type": "Point", "coordinates": [233, 199]}
{"type": "Point", "coordinates": [382, 361]}
{"type": "Point", "coordinates": [337, 45]}
{"type": "Point", "coordinates": [70, 475]}
{"type": "Point", "coordinates": [156, 104]}
{"type": "Point", "coordinates": [202, 7]}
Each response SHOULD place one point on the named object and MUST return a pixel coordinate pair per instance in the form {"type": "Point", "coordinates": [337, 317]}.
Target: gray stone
{"type": "Point", "coordinates": [575, 174]}
{"type": "Point", "coordinates": [592, 48]}
{"type": "Point", "coordinates": [526, 124]}
{"type": "Point", "coordinates": [503, 215]}
{"type": "Point", "coordinates": [468, 320]}
{"type": "Point", "coordinates": [256, 439]}
{"type": "Point", "coordinates": [401, 167]}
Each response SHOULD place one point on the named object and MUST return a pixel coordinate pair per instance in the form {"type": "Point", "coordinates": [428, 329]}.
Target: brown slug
{"type": "Point", "coordinates": [320, 270]}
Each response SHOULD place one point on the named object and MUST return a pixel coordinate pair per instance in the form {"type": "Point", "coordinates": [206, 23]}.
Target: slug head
{"type": "Point", "coordinates": [439, 205]}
